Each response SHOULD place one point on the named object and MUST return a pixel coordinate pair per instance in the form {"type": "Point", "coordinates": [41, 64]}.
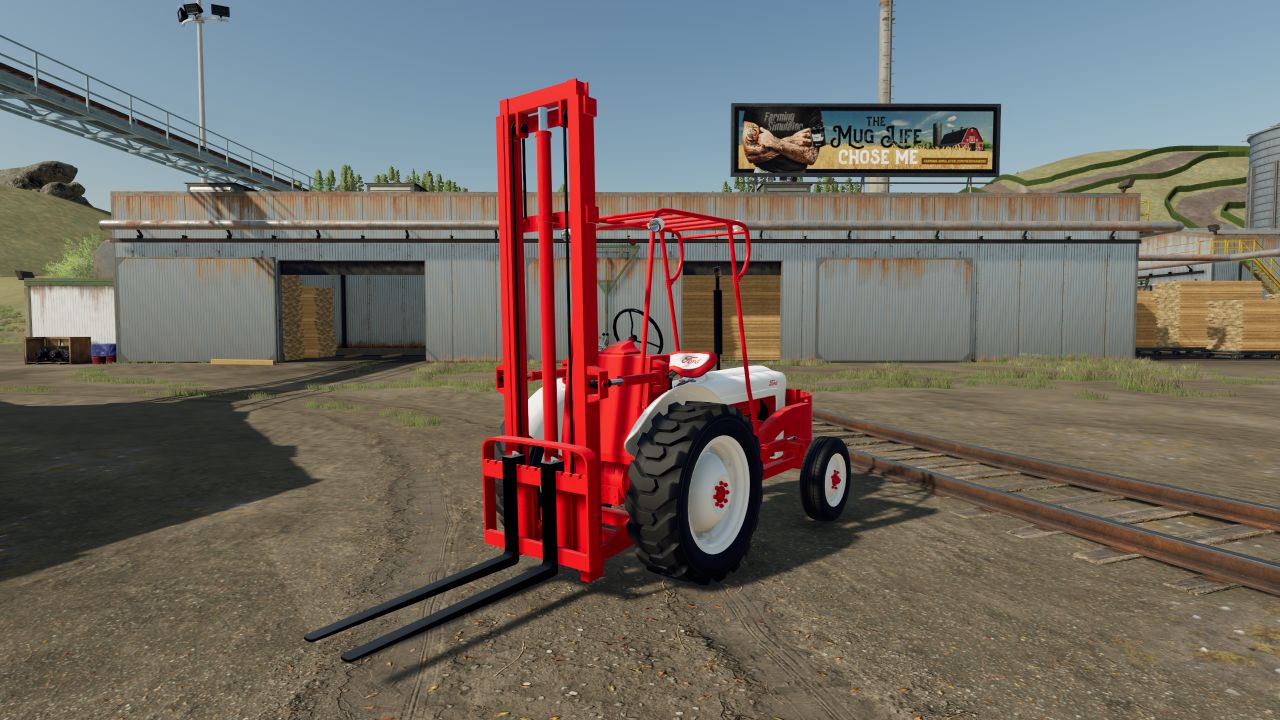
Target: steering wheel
{"type": "Point", "coordinates": [631, 314]}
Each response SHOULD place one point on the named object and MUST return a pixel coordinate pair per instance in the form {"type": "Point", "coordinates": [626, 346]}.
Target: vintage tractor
{"type": "Point", "coordinates": [660, 450]}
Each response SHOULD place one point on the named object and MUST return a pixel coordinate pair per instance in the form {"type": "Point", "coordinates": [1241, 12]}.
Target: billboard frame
{"type": "Point", "coordinates": [994, 108]}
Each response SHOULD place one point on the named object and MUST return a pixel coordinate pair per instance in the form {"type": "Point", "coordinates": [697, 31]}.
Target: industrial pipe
{"type": "Point", "coordinates": [1138, 226]}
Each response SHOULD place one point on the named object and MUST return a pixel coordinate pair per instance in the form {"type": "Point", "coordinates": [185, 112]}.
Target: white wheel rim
{"type": "Point", "coordinates": [835, 480]}
{"type": "Point", "coordinates": [719, 493]}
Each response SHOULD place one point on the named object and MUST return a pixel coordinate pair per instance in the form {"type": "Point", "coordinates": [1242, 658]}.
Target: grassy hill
{"type": "Point", "coordinates": [1193, 184]}
{"type": "Point", "coordinates": [33, 227]}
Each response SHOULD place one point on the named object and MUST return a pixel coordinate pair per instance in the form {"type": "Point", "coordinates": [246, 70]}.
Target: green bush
{"type": "Point", "coordinates": [76, 260]}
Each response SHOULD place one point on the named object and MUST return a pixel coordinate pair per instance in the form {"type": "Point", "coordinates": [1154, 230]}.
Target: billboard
{"type": "Point", "coordinates": [850, 140]}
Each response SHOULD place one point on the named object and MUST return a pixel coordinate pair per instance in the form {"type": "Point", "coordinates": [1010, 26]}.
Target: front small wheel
{"type": "Point", "coordinates": [824, 479]}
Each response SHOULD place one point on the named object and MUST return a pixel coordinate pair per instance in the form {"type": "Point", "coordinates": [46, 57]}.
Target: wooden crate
{"type": "Point", "coordinates": [79, 349]}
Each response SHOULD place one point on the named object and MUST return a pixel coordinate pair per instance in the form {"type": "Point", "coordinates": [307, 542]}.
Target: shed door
{"type": "Point", "coordinates": [196, 309]}
{"type": "Point", "coordinates": [895, 309]}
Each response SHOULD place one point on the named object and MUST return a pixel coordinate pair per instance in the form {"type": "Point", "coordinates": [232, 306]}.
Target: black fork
{"type": "Point", "coordinates": [509, 557]}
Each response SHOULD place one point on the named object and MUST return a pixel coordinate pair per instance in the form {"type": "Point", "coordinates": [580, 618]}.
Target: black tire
{"type": "Point", "coordinates": [660, 480]}
{"type": "Point", "coordinates": [817, 484]}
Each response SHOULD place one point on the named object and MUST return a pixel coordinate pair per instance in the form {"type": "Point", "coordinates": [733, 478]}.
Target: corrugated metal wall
{"type": "Point", "coordinates": [900, 308]}
{"type": "Point", "coordinates": [73, 311]}
{"type": "Point", "coordinates": [1264, 171]}
{"type": "Point", "coordinates": [196, 309]}
{"type": "Point", "coordinates": [386, 311]}
{"type": "Point", "coordinates": [1048, 295]}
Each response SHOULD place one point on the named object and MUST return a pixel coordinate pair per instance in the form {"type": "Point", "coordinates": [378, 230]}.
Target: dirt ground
{"type": "Point", "coordinates": [169, 532]}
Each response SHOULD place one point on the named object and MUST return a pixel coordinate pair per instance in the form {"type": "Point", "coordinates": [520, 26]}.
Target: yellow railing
{"type": "Point", "coordinates": [1266, 270]}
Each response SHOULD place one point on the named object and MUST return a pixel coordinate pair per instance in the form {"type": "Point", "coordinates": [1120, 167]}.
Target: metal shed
{"type": "Point", "coordinates": [932, 290]}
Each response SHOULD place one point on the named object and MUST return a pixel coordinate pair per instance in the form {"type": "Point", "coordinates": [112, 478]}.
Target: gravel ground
{"type": "Point", "coordinates": [163, 553]}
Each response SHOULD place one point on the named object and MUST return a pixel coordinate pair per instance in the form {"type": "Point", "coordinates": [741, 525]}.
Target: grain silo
{"type": "Point", "coordinates": [1264, 168]}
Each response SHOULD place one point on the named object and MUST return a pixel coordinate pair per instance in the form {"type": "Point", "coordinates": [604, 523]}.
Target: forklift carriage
{"type": "Point", "coordinates": [620, 446]}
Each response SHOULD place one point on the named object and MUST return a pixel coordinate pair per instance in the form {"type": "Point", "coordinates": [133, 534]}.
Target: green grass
{"type": "Point", "coordinates": [1032, 372]}
{"type": "Point", "coordinates": [1080, 173]}
{"type": "Point", "coordinates": [25, 389]}
{"type": "Point", "coordinates": [1225, 380]}
{"type": "Point", "coordinates": [887, 375]}
{"type": "Point", "coordinates": [1076, 164]}
{"type": "Point", "coordinates": [101, 375]}
{"type": "Point", "coordinates": [407, 418]}
{"type": "Point", "coordinates": [336, 405]}
{"type": "Point", "coordinates": [13, 325]}
{"type": "Point", "coordinates": [33, 227]}
{"type": "Point", "coordinates": [410, 418]}
{"type": "Point", "coordinates": [1134, 375]}
{"type": "Point", "coordinates": [436, 375]}
{"type": "Point", "coordinates": [802, 363]}
{"type": "Point", "coordinates": [259, 396]}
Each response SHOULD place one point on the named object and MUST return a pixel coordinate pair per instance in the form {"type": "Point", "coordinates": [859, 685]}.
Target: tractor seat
{"type": "Point", "coordinates": [691, 364]}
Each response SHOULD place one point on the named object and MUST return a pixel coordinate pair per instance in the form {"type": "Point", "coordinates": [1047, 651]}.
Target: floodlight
{"type": "Point", "coordinates": [183, 16]}
{"type": "Point", "coordinates": [220, 11]}
{"type": "Point", "coordinates": [193, 8]}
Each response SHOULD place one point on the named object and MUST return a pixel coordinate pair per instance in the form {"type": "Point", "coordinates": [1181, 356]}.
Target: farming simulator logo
{"type": "Point", "coordinates": [806, 139]}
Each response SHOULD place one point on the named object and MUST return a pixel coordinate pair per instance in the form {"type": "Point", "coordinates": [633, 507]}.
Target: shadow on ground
{"type": "Point", "coordinates": [784, 540]}
{"type": "Point", "coordinates": [76, 477]}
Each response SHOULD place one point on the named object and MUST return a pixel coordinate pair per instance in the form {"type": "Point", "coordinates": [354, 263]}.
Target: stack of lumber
{"type": "Point", "coordinates": [306, 318]}
{"type": "Point", "coordinates": [761, 316]}
{"type": "Point", "coordinates": [1182, 309]}
{"type": "Point", "coordinates": [1145, 325]}
{"type": "Point", "coordinates": [1244, 325]}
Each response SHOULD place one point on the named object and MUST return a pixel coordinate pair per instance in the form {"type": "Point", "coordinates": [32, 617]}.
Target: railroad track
{"type": "Point", "coordinates": [1225, 541]}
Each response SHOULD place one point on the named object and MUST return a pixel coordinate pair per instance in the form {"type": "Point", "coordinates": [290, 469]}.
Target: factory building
{"type": "Point", "coordinates": [820, 284]}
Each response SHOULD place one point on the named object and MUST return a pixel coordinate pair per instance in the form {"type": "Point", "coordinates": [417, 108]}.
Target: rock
{"type": "Point", "coordinates": [37, 176]}
{"type": "Point", "coordinates": [66, 191]}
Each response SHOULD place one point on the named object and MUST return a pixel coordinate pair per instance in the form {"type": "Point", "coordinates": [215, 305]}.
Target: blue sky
{"type": "Point", "coordinates": [417, 83]}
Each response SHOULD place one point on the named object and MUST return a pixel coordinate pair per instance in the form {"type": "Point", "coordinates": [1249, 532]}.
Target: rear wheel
{"type": "Point", "coordinates": [695, 491]}
{"type": "Point", "coordinates": [824, 478]}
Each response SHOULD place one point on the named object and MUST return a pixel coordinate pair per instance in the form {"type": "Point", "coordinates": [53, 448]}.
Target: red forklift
{"type": "Point", "coordinates": [662, 450]}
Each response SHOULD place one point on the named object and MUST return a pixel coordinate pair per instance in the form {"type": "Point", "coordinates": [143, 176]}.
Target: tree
{"type": "Point", "coordinates": [429, 182]}
{"type": "Point", "coordinates": [330, 183]}
{"type": "Point", "coordinates": [724, 187]}
{"type": "Point", "coordinates": [77, 258]}
{"type": "Point", "coordinates": [317, 181]}
{"type": "Point", "coordinates": [348, 182]}
{"type": "Point", "coordinates": [413, 177]}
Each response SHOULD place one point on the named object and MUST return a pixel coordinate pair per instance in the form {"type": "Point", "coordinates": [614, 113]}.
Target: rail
{"type": "Point", "coordinates": [851, 226]}
{"type": "Point", "coordinates": [1000, 481]}
{"type": "Point", "coordinates": [1261, 262]}
{"type": "Point", "coordinates": [23, 65]}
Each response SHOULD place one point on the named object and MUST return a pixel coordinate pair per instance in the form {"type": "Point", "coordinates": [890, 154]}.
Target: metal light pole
{"type": "Point", "coordinates": [200, 72]}
{"type": "Point", "coordinates": [881, 185]}
{"type": "Point", "coordinates": [194, 13]}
